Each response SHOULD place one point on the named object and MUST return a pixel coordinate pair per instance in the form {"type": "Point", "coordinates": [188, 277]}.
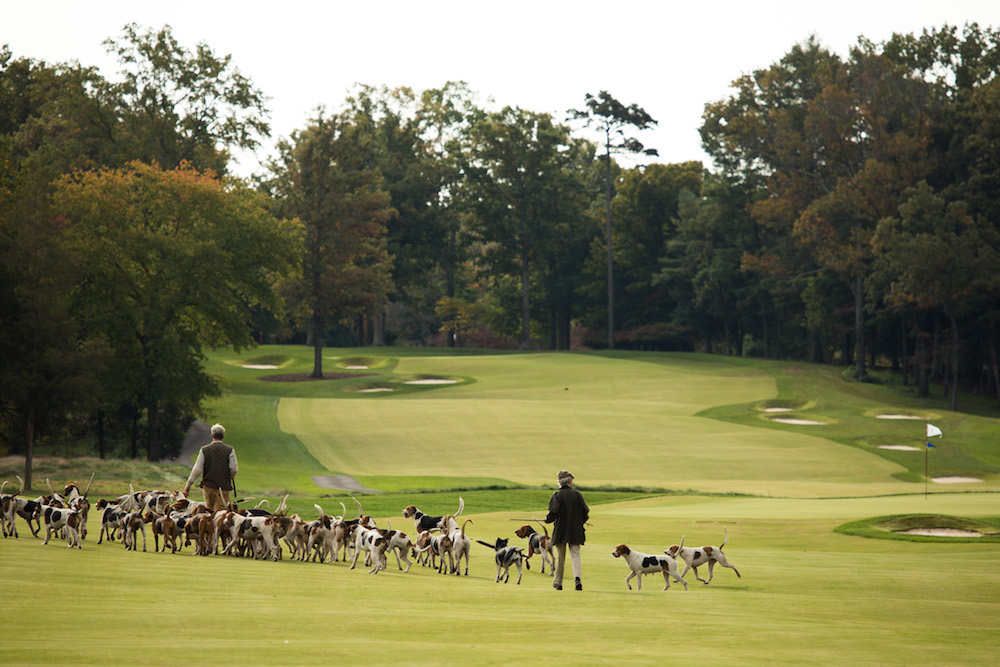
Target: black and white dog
{"type": "Point", "coordinates": [505, 557]}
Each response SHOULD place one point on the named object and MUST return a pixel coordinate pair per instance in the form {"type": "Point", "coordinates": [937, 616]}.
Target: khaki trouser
{"type": "Point", "coordinates": [574, 554]}
{"type": "Point", "coordinates": [216, 499]}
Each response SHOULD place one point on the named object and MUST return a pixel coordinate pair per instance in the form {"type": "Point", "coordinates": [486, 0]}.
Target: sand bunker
{"type": "Point", "coordinates": [801, 422]}
{"type": "Point", "coordinates": [356, 368]}
{"type": "Point", "coordinates": [778, 410]}
{"type": "Point", "coordinates": [940, 532]}
{"type": "Point", "coordinates": [897, 417]}
{"type": "Point", "coordinates": [955, 480]}
{"type": "Point", "coordinates": [900, 448]}
{"type": "Point", "coordinates": [373, 390]}
{"type": "Point", "coordinates": [260, 367]}
{"type": "Point", "coordinates": [431, 381]}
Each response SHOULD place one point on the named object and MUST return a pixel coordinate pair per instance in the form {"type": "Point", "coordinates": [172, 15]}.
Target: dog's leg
{"type": "Point", "coordinates": [518, 562]}
{"type": "Point", "coordinates": [629, 578]}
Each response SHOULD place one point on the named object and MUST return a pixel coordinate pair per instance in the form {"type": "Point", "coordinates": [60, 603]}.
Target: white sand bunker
{"type": "Point", "coordinates": [900, 448]}
{"type": "Point", "coordinates": [897, 417]}
{"type": "Point", "coordinates": [941, 532]}
{"type": "Point", "coordinates": [260, 367]}
{"type": "Point", "coordinates": [373, 390]}
{"type": "Point", "coordinates": [431, 381]}
{"type": "Point", "coordinates": [955, 480]}
{"type": "Point", "coordinates": [800, 422]}
{"type": "Point", "coordinates": [778, 410]}
{"type": "Point", "coordinates": [356, 367]}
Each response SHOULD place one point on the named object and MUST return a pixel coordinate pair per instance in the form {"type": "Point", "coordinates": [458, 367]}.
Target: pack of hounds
{"type": "Point", "coordinates": [441, 542]}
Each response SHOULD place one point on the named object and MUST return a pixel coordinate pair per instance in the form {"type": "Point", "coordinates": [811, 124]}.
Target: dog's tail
{"type": "Point", "coordinates": [463, 525]}
{"type": "Point", "coordinates": [487, 544]}
{"type": "Point", "coordinates": [725, 540]}
{"type": "Point", "coordinates": [543, 527]}
{"type": "Point", "coordinates": [461, 506]}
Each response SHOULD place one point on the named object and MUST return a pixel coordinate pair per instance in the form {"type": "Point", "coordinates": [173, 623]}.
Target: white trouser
{"type": "Point", "coordinates": [574, 554]}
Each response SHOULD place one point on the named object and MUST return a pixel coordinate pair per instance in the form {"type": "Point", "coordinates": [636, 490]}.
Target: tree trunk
{"type": "Point", "coordinates": [100, 435]}
{"type": "Point", "coordinates": [317, 327]}
{"type": "Point", "coordinates": [378, 339]}
{"type": "Point", "coordinates": [996, 366]}
{"type": "Point", "coordinates": [923, 373]}
{"type": "Point", "coordinates": [525, 303]}
{"type": "Point", "coordinates": [611, 262]}
{"type": "Point", "coordinates": [859, 326]}
{"type": "Point", "coordinates": [135, 433]}
{"type": "Point", "coordinates": [954, 363]}
{"type": "Point", "coordinates": [29, 447]}
{"type": "Point", "coordinates": [904, 358]}
{"type": "Point", "coordinates": [154, 449]}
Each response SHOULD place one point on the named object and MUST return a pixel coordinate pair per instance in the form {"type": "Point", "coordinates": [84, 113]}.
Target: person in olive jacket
{"type": "Point", "coordinates": [217, 465]}
{"type": "Point", "coordinates": [570, 512]}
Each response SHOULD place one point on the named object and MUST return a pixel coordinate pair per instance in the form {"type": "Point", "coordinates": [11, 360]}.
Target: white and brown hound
{"type": "Point", "coordinates": [538, 544]}
{"type": "Point", "coordinates": [62, 518]}
{"type": "Point", "coordinates": [460, 544]}
{"type": "Point", "coordinates": [640, 564]}
{"type": "Point", "coordinates": [422, 522]}
{"type": "Point", "coordinates": [693, 557]}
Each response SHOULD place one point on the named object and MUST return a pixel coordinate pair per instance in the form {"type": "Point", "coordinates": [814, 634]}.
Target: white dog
{"type": "Point", "coordinates": [693, 557]}
{"type": "Point", "coordinates": [641, 564]}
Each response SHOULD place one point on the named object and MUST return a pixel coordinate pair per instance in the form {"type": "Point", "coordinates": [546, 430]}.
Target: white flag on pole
{"type": "Point", "coordinates": [933, 430]}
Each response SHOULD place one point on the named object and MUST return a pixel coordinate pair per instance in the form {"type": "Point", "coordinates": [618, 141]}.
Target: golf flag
{"type": "Point", "coordinates": [929, 444]}
{"type": "Point", "coordinates": [933, 430]}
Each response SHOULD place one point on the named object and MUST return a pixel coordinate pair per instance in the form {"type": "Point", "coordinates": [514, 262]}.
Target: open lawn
{"type": "Point", "coordinates": [662, 445]}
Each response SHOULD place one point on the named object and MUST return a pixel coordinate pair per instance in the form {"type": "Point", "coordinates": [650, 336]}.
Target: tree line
{"type": "Point", "coordinates": [851, 216]}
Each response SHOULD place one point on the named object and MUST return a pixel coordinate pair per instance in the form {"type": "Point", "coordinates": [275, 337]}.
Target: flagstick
{"type": "Point", "coordinates": [926, 473]}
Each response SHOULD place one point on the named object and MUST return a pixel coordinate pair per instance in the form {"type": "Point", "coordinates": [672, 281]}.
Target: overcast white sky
{"type": "Point", "coordinates": [543, 55]}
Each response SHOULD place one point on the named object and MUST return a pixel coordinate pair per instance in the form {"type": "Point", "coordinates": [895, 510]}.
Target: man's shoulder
{"type": "Point", "coordinates": [217, 444]}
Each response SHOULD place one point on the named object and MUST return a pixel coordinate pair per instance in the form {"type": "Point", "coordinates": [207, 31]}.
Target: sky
{"type": "Point", "coordinates": [670, 58]}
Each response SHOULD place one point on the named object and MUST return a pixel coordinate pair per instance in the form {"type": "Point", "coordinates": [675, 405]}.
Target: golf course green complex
{"type": "Point", "coordinates": [848, 552]}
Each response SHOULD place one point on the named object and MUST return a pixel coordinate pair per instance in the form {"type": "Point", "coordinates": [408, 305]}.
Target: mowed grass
{"type": "Point", "coordinates": [644, 422]}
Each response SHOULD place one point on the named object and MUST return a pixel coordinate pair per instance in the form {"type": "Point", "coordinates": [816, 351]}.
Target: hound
{"type": "Point", "coordinates": [259, 532]}
{"type": "Point", "coordinates": [111, 519]}
{"type": "Point", "coordinates": [641, 564]}
{"type": "Point", "coordinates": [538, 544]}
{"type": "Point", "coordinates": [59, 518]}
{"type": "Point", "coordinates": [399, 543]}
{"type": "Point", "coordinates": [29, 510]}
{"type": "Point", "coordinates": [693, 557]}
{"type": "Point", "coordinates": [162, 524]}
{"type": "Point", "coordinates": [78, 501]}
{"type": "Point", "coordinates": [422, 522]}
{"type": "Point", "coordinates": [132, 523]}
{"type": "Point", "coordinates": [505, 557]}
{"type": "Point", "coordinates": [460, 544]}
{"type": "Point", "coordinates": [440, 546]}
{"type": "Point", "coordinates": [373, 543]}
{"type": "Point", "coordinates": [421, 547]}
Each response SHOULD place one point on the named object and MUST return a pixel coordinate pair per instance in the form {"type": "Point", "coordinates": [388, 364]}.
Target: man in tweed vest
{"type": "Point", "coordinates": [216, 463]}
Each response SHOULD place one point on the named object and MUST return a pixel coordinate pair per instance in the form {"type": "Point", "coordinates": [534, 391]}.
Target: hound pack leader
{"type": "Point", "coordinates": [217, 465]}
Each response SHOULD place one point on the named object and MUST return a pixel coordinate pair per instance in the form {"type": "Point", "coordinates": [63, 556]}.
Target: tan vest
{"type": "Point", "coordinates": [216, 473]}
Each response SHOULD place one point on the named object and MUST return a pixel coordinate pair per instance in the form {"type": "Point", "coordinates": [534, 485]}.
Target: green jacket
{"type": "Point", "coordinates": [569, 510]}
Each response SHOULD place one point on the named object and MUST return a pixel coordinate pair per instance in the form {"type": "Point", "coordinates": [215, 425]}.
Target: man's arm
{"type": "Point", "coordinates": [233, 465]}
{"type": "Point", "coordinates": [196, 471]}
